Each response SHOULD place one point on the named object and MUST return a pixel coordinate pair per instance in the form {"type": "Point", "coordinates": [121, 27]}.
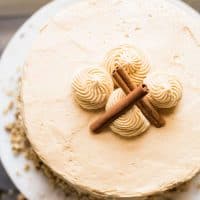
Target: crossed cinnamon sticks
{"type": "Point", "coordinates": [119, 108]}
{"type": "Point", "coordinates": [122, 80]}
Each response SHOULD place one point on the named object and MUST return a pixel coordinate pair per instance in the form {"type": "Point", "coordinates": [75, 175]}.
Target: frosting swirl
{"type": "Point", "coordinates": [92, 87]}
{"type": "Point", "coordinates": [132, 59]}
{"type": "Point", "coordinates": [132, 123]}
{"type": "Point", "coordinates": [165, 90]}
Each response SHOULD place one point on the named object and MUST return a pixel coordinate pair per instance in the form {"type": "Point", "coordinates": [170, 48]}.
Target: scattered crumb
{"type": "Point", "coordinates": [127, 35]}
{"type": "Point", "coordinates": [21, 197]}
{"type": "Point", "coordinates": [10, 93]}
{"type": "Point", "coordinates": [17, 135]}
{"type": "Point", "coordinates": [150, 15]}
{"type": "Point", "coordinates": [9, 108]}
{"type": "Point", "coordinates": [177, 59]}
{"type": "Point", "coordinates": [137, 28]}
{"type": "Point", "coordinates": [27, 167]}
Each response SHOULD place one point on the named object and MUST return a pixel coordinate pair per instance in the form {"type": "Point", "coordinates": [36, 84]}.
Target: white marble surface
{"type": "Point", "coordinates": [33, 184]}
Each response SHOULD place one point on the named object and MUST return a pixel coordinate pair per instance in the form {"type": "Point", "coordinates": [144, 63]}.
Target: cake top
{"type": "Point", "coordinates": [58, 128]}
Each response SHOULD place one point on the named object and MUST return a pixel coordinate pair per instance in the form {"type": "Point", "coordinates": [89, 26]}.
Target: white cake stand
{"type": "Point", "coordinates": [33, 184]}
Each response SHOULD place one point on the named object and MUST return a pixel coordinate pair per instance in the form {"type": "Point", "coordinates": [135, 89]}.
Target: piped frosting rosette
{"type": "Point", "coordinates": [131, 59]}
{"type": "Point", "coordinates": [132, 123]}
{"type": "Point", "coordinates": [91, 87]}
{"type": "Point", "coordinates": [165, 90]}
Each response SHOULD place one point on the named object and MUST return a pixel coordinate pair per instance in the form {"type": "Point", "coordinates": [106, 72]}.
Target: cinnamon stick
{"type": "Point", "coordinates": [125, 77]}
{"type": "Point", "coordinates": [122, 78]}
{"type": "Point", "coordinates": [120, 82]}
{"type": "Point", "coordinates": [150, 113]}
{"type": "Point", "coordinates": [119, 108]}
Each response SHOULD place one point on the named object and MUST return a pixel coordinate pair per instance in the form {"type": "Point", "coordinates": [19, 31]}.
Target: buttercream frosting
{"type": "Point", "coordinates": [131, 59]}
{"type": "Point", "coordinates": [92, 87]}
{"type": "Point", "coordinates": [165, 90]}
{"type": "Point", "coordinates": [105, 164]}
{"type": "Point", "coordinates": [131, 123]}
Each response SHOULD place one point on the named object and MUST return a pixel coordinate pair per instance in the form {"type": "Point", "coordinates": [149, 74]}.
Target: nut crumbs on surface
{"type": "Point", "coordinates": [21, 197]}
{"type": "Point", "coordinates": [27, 167]}
{"type": "Point", "coordinates": [9, 108]}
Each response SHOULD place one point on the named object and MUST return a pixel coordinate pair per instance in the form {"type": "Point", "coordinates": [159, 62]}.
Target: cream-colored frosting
{"type": "Point", "coordinates": [131, 123]}
{"type": "Point", "coordinates": [131, 59]}
{"type": "Point", "coordinates": [165, 90]}
{"type": "Point", "coordinates": [105, 164]}
{"type": "Point", "coordinates": [91, 87]}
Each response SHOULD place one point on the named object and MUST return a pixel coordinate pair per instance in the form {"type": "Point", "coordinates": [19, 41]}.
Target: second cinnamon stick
{"type": "Point", "coordinates": [122, 79]}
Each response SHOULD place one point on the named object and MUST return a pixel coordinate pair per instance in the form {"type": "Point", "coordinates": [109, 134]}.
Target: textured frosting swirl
{"type": "Point", "coordinates": [165, 90]}
{"type": "Point", "coordinates": [131, 58]}
{"type": "Point", "coordinates": [132, 123]}
{"type": "Point", "coordinates": [92, 87]}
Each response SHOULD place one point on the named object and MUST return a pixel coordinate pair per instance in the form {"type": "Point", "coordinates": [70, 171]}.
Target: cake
{"type": "Point", "coordinates": [107, 165]}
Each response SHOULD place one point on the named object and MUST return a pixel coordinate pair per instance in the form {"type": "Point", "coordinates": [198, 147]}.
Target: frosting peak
{"type": "Point", "coordinates": [132, 123]}
{"type": "Point", "coordinates": [165, 90]}
{"type": "Point", "coordinates": [132, 59]}
{"type": "Point", "coordinates": [92, 87]}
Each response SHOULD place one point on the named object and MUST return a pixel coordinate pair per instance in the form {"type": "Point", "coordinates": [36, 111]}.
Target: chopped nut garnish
{"type": "Point", "coordinates": [27, 167]}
